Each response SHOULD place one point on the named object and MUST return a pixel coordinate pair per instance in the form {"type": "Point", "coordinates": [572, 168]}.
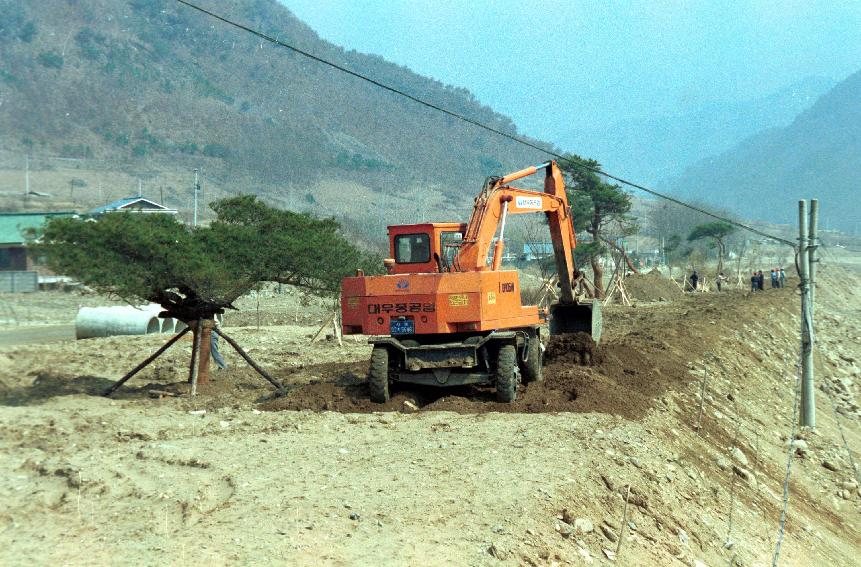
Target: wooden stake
{"type": "Point", "coordinates": [195, 350]}
{"type": "Point", "coordinates": [248, 359]}
{"type": "Point", "coordinates": [146, 362]}
{"type": "Point", "coordinates": [702, 397]}
{"type": "Point", "coordinates": [337, 328]}
{"type": "Point", "coordinates": [323, 326]}
{"type": "Point", "coordinates": [624, 522]}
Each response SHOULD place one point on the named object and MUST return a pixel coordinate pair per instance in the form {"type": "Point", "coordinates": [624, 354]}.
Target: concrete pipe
{"type": "Point", "coordinates": [168, 325]}
{"type": "Point", "coordinates": [110, 321]}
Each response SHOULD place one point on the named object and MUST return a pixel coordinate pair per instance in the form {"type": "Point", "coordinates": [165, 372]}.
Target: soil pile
{"type": "Point", "coordinates": [651, 286]}
{"type": "Point", "coordinates": [573, 348]}
{"type": "Point", "coordinates": [617, 378]}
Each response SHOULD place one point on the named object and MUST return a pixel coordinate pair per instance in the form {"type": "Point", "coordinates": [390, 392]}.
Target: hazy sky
{"type": "Point", "coordinates": [558, 66]}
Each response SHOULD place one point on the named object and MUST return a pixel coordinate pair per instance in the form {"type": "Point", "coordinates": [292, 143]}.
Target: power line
{"type": "Point", "coordinates": [478, 124]}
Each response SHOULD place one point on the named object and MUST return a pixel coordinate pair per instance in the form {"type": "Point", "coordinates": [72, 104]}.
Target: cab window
{"type": "Point", "coordinates": [449, 243]}
{"type": "Point", "coordinates": [412, 248]}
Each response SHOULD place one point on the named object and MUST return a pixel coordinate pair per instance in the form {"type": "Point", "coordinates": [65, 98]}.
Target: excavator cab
{"type": "Point", "coordinates": [424, 248]}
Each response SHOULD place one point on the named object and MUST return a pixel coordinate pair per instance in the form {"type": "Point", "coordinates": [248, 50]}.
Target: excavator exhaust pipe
{"type": "Point", "coordinates": [577, 318]}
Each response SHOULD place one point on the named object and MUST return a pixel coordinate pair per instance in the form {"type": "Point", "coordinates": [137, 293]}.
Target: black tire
{"type": "Point", "coordinates": [532, 368]}
{"type": "Point", "coordinates": [378, 375]}
{"type": "Point", "coordinates": [507, 374]}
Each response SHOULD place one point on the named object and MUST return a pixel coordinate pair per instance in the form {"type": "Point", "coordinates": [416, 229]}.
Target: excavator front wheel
{"type": "Point", "coordinates": [378, 375]}
{"type": "Point", "coordinates": [507, 374]}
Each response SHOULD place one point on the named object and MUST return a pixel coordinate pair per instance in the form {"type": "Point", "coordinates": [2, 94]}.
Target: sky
{"type": "Point", "coordinates": [561, 66]}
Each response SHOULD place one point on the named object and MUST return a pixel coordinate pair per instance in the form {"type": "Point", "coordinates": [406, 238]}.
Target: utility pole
{"type": "Point", "coordinates": [140, 188]}
{"type": "Point", "coordinates": [808, 401]}
{"type": "Point", "coordinates": [196, 190]}
{"type": "Point", "coordinates": [27, 177]}
{"type": "Point", "coordinates": [813, 253]}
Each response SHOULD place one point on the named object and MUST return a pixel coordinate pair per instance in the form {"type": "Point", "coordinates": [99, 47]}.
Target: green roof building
{"type": "Point", "coordinates": [13, 253]}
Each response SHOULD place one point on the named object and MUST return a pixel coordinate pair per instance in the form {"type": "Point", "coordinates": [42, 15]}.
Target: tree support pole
{"type": "Point", "coordinates": [145, 363]}
{"type": "Point", "coordinates": [195, 350]}
{"type": "Point", "coordinates": [205, 351]}
{"type": "Point", "coordinates": [248, 359]}
{"type": "Point", "coordinates": [808, 400]}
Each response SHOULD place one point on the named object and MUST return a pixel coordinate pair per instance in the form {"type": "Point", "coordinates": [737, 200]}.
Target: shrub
{"type": "Point", "coordinates": [50, 59]}
{"type": "Point", "coordinates": [216, 151]}
{"type": "Point", "coordinates": [27, 32]}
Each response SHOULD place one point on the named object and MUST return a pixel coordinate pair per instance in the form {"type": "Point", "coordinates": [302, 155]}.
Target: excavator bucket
{"type": "Point", "coordinates": [577, 318]}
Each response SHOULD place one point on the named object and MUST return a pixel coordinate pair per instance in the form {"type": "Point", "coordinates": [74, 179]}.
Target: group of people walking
{"type": "Point", "coordinates": [757, 280]}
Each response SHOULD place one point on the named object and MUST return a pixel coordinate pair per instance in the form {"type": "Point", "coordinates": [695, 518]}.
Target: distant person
{"type": "Point", "coordinates": [782, 278]}
{"type": "Point", "coordinates": [760, 281]}
{"type": "Point", "coordinates": [694, 280]}
{"type": "Point", "coordinates": [774, 276]}
{"type": "Point", "coordinates": [719, 281]}
{"type": "Point", "coordinates": [754, 282]}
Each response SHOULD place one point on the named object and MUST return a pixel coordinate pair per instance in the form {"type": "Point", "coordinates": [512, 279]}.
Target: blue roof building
{"type": "Point", "coordinates": [133, 205]}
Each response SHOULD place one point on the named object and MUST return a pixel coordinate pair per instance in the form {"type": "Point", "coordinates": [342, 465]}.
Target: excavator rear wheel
{"type": "Point", "coordinates": [532, 368]}
{"type": "Point", "coordinates": [507, 374]}
{"type": "Point", "coordinates": [378, 375]}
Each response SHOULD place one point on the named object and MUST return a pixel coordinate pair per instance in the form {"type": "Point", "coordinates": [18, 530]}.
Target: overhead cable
{"type": "Point", "coordinates": [478, 124]}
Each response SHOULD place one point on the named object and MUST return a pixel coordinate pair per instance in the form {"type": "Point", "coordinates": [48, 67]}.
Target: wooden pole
{"type": "Point", "coordinates": [624, 522]}
{"type": "Point", "coordinates": [204, 351]}
{"type": "Point", "coordinates": [336, 328]}
{"type": "Point", "coordinates": [195, 349]}
{"type": "Point", "coordinates": [248, 359]}
{"type": "Point", "coordinates": [146, 362]}
{"type": "Point", "coordinates": [323, 326]}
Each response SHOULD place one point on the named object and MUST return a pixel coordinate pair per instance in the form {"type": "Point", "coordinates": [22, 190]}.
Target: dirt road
{"type": "Point", "coordinates": [37, 335]}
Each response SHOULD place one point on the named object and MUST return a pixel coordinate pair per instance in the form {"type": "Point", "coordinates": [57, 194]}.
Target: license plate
{"type": "Point", "coordinates": [402, 327]}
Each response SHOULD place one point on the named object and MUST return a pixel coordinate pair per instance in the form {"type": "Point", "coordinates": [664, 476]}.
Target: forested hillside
{"type": "Point", "coordinates": [818, 155]}
{"type": "Point", "coordinates": [143, 88]}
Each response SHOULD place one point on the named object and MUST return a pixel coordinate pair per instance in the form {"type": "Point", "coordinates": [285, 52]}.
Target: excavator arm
{"type": "Point", "coordinates": [498, 200]}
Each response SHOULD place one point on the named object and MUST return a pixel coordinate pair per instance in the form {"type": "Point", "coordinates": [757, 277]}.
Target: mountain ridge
{"type": "Point", "coordinates": [655, 149]}
{"type": "Point", "coordinates": [817, 156]}
{"type": "Point", "coordinates": [152, 85]}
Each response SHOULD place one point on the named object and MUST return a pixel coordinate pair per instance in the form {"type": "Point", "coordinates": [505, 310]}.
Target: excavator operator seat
{"type": "Point", "coordinates": [423, 248]}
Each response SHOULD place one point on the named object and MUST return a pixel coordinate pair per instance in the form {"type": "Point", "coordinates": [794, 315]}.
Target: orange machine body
{"type": "Point", "coordinates": [436, 303]}
{"type": "Point", "coordinates": [445, 278]}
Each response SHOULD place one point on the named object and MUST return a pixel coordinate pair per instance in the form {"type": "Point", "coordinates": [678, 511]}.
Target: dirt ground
{"type": "Point", "coordinates": [329, 478]}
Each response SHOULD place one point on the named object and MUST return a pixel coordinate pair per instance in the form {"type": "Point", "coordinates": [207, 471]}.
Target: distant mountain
{"type": "Point", "coordinates": [818, 155]}
{"type": "Point", "coordinates": [655, 149]}
{"type": "Point", "coordinates": [151, 89]}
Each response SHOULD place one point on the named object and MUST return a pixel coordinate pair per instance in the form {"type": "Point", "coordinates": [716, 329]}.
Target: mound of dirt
{"type": "Point", "coordinates": [651, 286]}
{"type": "Point", "coordinates": [620, 379]}
{"type": "Point", "coordinates": [572, 348]}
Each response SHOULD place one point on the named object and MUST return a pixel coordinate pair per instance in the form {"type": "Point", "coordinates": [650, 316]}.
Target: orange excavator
{"type": "Point", "coordinates": [446, 314]}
